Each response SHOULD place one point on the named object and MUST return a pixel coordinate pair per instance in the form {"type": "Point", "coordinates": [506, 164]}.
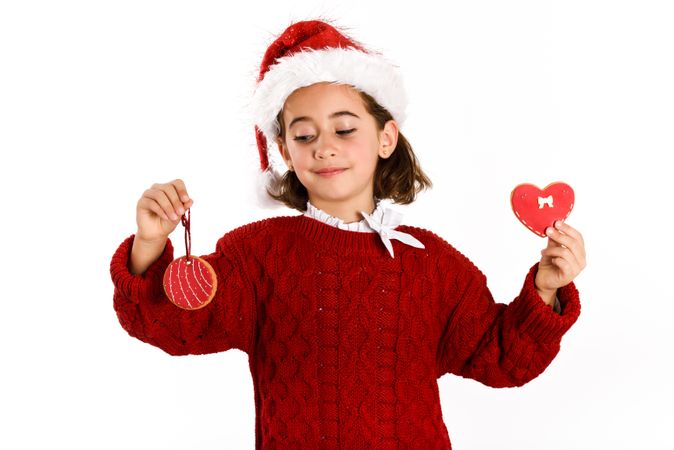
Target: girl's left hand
{"type": "Point", "coordinates": [563, 258]}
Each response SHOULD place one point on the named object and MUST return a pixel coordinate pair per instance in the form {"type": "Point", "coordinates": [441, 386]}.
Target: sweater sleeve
{"type": "Point", "coordinates": [503, 345]}
{"type": "Point", "coordinates": [145, 312]}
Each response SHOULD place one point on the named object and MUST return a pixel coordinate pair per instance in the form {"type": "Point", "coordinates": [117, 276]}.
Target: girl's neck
{"type": "Point", "coordinates": [346, 211]}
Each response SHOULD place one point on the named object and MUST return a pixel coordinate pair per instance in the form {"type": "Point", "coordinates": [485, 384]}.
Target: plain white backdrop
{"type": "Point", "coordinates": [99, 100]}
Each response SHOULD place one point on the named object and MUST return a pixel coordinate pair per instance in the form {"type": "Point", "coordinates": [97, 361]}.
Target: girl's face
{"type": "Point", "coordinates": [333, 143]}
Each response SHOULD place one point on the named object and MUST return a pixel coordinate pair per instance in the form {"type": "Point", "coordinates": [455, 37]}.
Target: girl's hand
{"type": "Point", "coordinates": [159, 210]}
{"type": "Point", "coordinates": [562, 260]}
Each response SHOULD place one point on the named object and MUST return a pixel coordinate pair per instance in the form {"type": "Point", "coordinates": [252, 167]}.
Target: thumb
{"type": "Point", "coordinates": [551, 244]}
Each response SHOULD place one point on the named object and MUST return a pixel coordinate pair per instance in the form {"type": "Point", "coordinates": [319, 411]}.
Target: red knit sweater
{"type": "Point", "coordinates": [345, 343]}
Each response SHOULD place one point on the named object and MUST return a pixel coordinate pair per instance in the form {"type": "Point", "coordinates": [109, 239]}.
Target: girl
{"type": "Point", "coordinates": [348, 318]}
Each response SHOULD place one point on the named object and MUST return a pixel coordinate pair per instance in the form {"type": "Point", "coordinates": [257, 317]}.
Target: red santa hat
{"type": "Point", "coordinates": [306, 53]}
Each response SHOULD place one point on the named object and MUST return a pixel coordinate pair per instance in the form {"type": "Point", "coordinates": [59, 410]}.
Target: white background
{"type": "Point", "coordinates": [99, 100]}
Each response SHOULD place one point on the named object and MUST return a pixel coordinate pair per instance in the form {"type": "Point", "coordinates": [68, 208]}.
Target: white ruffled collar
{"type": "Point", "coordinates": [382, 220]}
{"type": "Point", "coordinates": [361, 225]}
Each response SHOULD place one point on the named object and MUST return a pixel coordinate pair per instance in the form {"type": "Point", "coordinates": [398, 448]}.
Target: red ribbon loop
{"type": "Point", "coordinates": [185, 219]}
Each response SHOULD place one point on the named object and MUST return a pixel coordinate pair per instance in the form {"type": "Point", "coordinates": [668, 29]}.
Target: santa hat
{"type": "Point", "coordinates": [310, 52]}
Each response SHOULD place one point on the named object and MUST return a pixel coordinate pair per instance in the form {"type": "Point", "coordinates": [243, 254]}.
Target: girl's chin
{"type": "Point", "coordinates": [332, 196]}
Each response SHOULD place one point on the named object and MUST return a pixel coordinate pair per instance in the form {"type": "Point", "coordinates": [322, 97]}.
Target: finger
{"type": "Point", "coordinates": [158, 194]}
{"type": "Point", "coordinates": [148, 203]}
{"type": "Point", "coordinates": [552, 243]}
{"type": "Point", "coordinates": [563, 259]}
{"type": "Point", "coordinates": [577, 257]}
{"type": "Point", "coordinates": [569, 230]}
{"type": "Point", "coordinates": [561, 252]}
{"type": "Point", "coordinates": [558, 236]}
{"type": "Point", "coordinates": [172, 193]}
{"type": "Point", "coordinates": [579, 249]}
{"type": "Point", "coordinates": [566, 269]}
{"type": "Point", "coordinates": [565, 240]}
{"type": "Point", "coordinates": [182, 190]}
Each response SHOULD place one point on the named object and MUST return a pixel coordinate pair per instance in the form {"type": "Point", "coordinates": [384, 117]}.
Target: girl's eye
{"type": "Point", "coordinates": [307, 137]}
{"type": "Point", "coordinates": [301, 138]}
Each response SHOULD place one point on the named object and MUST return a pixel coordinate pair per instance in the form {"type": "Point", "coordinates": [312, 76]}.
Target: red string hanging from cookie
{"type": "Point", "coordinates": [189, 281]}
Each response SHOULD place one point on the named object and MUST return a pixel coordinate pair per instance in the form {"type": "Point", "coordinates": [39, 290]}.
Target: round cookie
{"type": "Point", "coordinates": [190, 283]}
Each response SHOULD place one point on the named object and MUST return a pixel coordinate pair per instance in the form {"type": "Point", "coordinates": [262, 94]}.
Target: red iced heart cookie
{"type": "Point", "coordinates": [538, 209]}
{"type": "Point", "coordinates": [190, 284]}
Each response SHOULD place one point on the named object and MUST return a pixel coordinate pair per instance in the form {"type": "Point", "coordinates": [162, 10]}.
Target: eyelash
{"type": "Point", "coordinates": [301, 138]}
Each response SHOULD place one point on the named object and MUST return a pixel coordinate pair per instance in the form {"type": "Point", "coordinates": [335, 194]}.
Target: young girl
{"type": "Point", "coordinates": [348, 318]}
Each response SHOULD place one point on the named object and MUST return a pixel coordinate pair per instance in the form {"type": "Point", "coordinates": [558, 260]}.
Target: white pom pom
{"type": "Point", "coordinates": [268, 179]}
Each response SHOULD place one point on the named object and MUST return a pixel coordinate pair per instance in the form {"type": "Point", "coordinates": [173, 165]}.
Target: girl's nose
{"type": "Point", "coordinates": [325, 147]}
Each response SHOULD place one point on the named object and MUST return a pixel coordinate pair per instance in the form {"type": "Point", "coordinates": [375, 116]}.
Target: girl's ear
{"type": "Point", "coordinates": [388, 139]}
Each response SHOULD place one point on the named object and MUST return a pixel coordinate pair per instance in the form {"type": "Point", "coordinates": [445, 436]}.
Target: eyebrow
{"type": "Point", "coordinates": [332, 116]}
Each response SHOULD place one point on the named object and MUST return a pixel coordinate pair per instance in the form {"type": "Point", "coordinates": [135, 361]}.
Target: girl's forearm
{"type": "Point", "coordinates": [144, 253]}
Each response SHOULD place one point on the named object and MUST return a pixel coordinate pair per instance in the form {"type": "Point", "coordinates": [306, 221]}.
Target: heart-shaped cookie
{"type": "Point", "coordinates": [539, 208]}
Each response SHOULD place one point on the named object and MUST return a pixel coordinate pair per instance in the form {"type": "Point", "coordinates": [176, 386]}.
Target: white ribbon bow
{"type": "Point", "coordinates": [383, 222]}
{"type": "Point", "coordinates": [543, 201]}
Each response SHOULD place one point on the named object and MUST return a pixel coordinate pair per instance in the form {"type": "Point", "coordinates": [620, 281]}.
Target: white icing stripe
{"type": "Point", "coordinates": [182, 264]}
{"type": "Point", "coordinates": [194, 275]}
{"type": "Point", "coordinates": [206, 279]}
{"type": "Point", "coordinates": [170, 284]}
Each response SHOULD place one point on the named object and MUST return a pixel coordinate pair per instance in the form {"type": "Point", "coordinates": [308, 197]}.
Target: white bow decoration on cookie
{"type": "Point", "coordinates": [545, 201]}
{"type": "Point", "coordinates": [384, 223]}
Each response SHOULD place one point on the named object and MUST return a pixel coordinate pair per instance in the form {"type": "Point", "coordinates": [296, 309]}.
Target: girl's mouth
{"type": "Point", "coordinates": [330, 172]}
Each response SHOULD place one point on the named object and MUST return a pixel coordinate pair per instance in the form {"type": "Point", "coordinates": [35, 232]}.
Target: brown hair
{"type": "Point", "coordinates": [398, 177]}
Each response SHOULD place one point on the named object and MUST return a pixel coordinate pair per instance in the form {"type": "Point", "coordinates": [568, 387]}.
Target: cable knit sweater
{"type": "Point", "coordinates": [346, 343]}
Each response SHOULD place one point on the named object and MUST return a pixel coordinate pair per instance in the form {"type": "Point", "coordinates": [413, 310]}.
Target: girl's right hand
{"type": "Point", "coordinates": [159, 210]}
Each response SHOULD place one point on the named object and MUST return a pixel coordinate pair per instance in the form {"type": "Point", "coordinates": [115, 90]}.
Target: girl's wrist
{"type": "Point", "coordinates": [548, 296]}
